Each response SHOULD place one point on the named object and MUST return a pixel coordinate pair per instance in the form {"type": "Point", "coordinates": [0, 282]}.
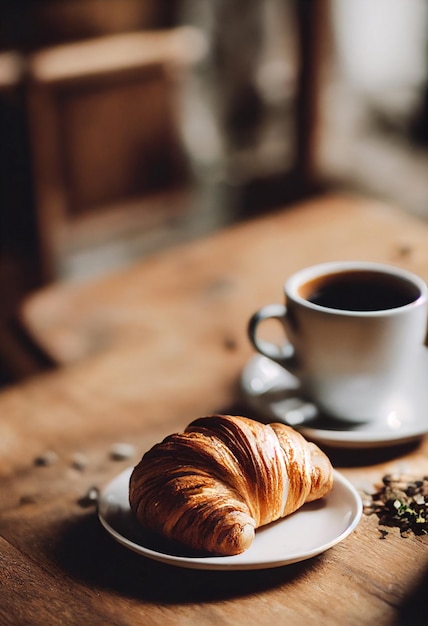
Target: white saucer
{"type": "Point", "coordinates": [274, 393]}
{"type": "Point", "coordinates": [316, 527]}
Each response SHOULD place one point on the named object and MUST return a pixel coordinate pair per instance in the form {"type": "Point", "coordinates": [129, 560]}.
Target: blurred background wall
{"type": "Point", "coordinates": [375, 100]}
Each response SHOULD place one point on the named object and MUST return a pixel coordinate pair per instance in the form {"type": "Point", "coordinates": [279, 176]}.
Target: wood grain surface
{"type": "Point", "coordinates": [144, 352]}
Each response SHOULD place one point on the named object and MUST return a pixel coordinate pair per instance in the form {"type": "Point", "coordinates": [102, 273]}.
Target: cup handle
{"type": "Point", "coordinates": [284, 355]}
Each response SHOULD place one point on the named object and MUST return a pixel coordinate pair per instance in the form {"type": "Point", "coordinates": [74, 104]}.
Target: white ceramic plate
{"type": "Point", "coordinates": [316, 527]}
{"type": "Point", "coordinates": [274, 394]}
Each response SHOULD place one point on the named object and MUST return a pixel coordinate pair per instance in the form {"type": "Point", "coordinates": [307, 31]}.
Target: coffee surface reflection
{"type": "Point", "coordinates": [359, 291]}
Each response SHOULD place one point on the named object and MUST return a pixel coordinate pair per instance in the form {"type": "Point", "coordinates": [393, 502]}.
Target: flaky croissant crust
{"type": "Point", "coordinates": [210, 487]}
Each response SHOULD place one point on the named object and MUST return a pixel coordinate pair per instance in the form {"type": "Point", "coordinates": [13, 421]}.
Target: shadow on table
{"type": "Point", "coordinates": [413, 611]}
{"type": "Point", "coordinates": [91, 556]}
{"type": "Point", "coordinates": [365, 457]}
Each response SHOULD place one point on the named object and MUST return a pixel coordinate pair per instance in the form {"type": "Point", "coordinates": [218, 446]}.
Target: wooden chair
{"type": "Point", "coordinates": [96, 184]}
{"type": "Point", "coordinates": [104, 142]}
{"type": "Point", "coordinates": [91, 165]}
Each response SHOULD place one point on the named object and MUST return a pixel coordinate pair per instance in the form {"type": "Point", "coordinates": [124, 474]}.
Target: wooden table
{"type": "Point", "coordinates": [144, 352]}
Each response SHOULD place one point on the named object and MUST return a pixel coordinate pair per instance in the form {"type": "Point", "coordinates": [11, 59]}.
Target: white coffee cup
{"type": "Point", "coordinates": [354, 331]}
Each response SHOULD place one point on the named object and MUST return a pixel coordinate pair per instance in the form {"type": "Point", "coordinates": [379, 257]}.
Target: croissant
{"type": "Point", "coordinates": [210, 487]}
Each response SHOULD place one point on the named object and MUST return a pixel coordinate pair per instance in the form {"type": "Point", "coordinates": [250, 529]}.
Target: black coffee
{"type": "Point", "coordinates": [359, 290]}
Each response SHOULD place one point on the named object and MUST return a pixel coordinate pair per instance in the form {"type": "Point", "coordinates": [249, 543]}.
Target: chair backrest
{"type": "Point", "coordinates": [103, 138]}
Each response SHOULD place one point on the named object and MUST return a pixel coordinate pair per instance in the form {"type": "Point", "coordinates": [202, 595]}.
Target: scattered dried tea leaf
{"type": "Point", "coordinates": [79, 461]}
{"type": "Point", "coordinates": [47, 458]}
{"type": "Point", "coordinates": [31, 498]}
{"type": "Point", "coordinates": [121, 451]}
{"type": "Point", "coordinates": [401, 501]}
{"type": "Point", "coordinates": [90, 498]}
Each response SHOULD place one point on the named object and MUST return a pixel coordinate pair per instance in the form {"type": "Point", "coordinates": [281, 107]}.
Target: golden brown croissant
{"type": "Point", "coordinates": [210, 487]}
